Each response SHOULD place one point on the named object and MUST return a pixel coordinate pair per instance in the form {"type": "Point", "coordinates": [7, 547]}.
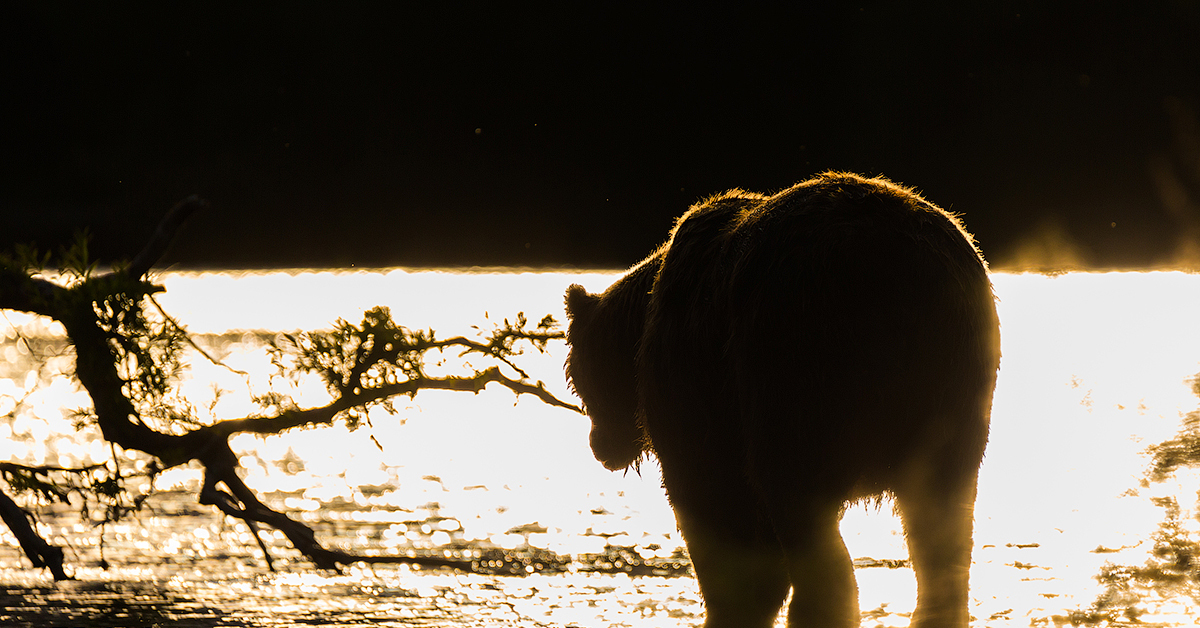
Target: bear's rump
{"type": "Point", "coordinates": [830, 364]}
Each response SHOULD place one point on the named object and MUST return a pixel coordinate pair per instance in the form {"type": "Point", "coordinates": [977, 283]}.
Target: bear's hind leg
{"type": "Point", "coordinates": [938, 516]}
{"type": "Point", "coordinates": [824, 591]}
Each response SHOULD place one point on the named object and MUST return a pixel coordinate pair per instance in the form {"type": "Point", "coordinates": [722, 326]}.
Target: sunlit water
{"type": "Point", "coordinates": [1095, 369]}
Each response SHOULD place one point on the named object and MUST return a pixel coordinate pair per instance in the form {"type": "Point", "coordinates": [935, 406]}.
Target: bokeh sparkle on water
{"type": "Point", "coordinates": [1094, 371]}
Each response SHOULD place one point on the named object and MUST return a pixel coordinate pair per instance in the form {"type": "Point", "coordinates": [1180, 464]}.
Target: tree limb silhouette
{"type": "Point", "coordinates": [127, 362]}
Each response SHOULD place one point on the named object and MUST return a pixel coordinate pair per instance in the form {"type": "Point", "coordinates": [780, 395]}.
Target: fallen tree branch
{"type": "Point", "coordinates": [116, 364]}
{"type": "Point", "coordinates": [302, 537]}
{"type": "Point", "coordinates": [39, 552]}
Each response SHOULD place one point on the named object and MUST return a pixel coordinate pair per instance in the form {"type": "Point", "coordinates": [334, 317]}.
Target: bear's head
{"type": "Point", "coordinates": [603, 336]}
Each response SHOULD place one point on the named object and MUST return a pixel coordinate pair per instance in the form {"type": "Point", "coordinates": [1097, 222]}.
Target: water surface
{"type": "Point", "coordinates": [1095, 369]}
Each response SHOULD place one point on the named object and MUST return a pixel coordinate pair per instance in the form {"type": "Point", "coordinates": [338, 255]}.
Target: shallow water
{"type": "Point", "coordinates": [359, 597]}
{"type": "Point", "coordinates": [1094, 371]}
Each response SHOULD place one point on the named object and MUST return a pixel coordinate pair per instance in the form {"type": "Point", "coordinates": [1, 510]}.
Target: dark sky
{"type": "Point", "coordinates": [482, 134]}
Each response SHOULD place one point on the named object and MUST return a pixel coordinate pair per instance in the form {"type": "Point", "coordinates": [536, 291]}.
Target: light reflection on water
{"type": "Point", "coordinates": [1094, 371]}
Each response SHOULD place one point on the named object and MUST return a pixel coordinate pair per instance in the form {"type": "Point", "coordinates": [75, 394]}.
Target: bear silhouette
{"type": "Point", "coordinates": [784, 356]}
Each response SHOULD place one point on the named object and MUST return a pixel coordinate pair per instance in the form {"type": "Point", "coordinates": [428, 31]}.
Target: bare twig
{"type": "Point", "coordinates": [188, 338]}
{"type": "Point", "coordinates": [290, 419]}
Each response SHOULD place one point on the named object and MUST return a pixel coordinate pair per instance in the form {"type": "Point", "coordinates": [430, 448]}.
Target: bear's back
{"type": "Point", "coordinates": [808, 314]}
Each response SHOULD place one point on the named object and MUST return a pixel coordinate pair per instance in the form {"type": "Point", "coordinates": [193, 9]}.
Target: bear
{"type": "Point", "coordinates": [783, 357]}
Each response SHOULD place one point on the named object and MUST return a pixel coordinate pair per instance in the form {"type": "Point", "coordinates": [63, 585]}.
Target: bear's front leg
{"type": "Point", "coordinates": [737, 559]}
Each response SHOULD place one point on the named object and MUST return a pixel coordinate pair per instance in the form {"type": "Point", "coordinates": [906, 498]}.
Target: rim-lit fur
{"type": "Point", "coordinates": [784, 355]}
{"type": "Point", "coordinates": [604, 334]}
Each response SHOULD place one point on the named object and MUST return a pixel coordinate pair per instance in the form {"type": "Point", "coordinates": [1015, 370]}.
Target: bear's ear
{"type": "Point", "coordinates": [580, 304]}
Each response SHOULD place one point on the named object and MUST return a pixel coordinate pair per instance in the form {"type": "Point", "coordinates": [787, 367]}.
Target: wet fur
{"type": "Point", "coordinates": [784, 355]}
